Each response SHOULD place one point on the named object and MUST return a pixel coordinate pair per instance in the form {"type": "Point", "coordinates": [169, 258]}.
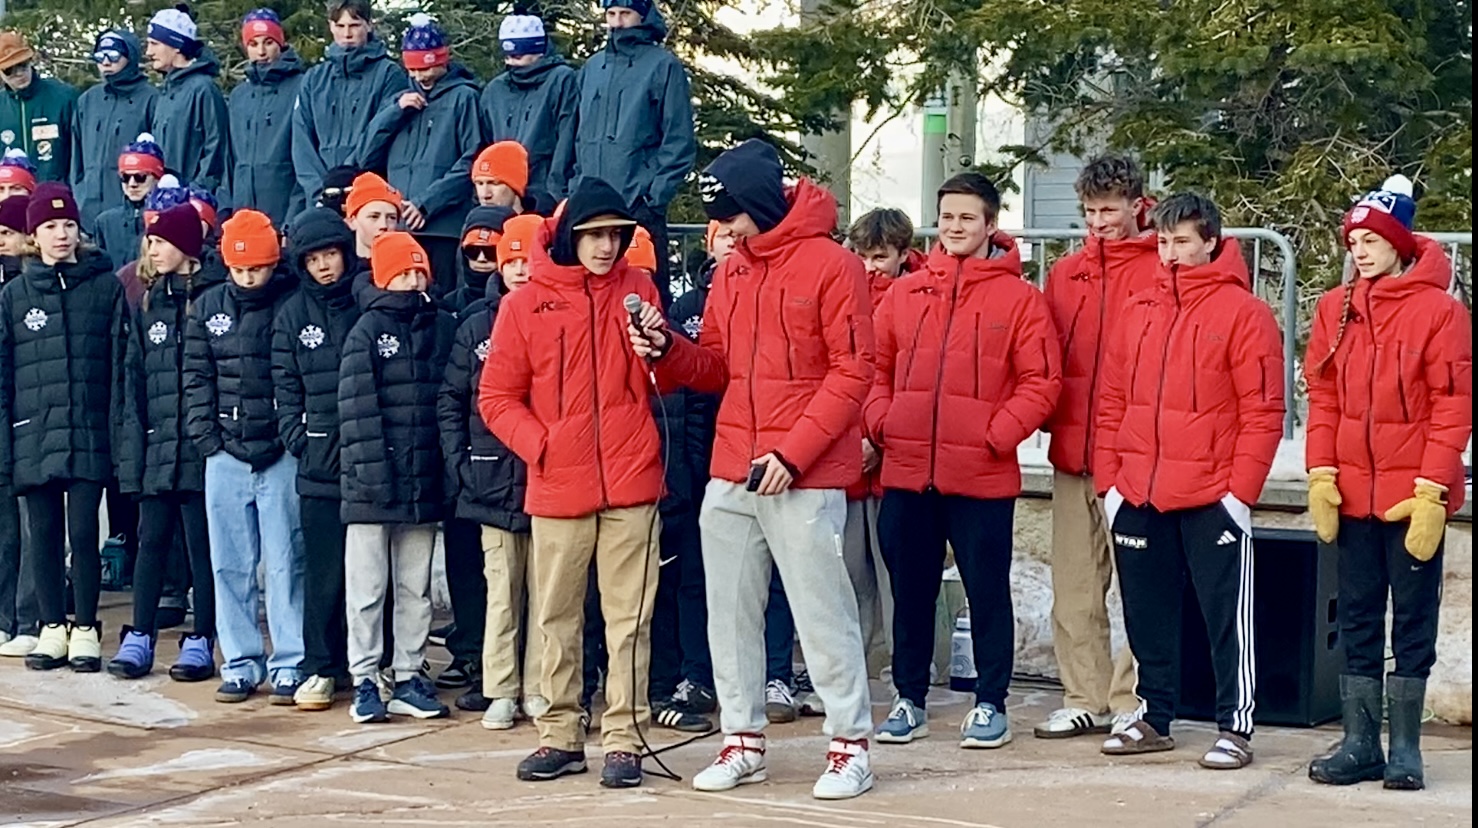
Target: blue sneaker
{"type": "Point", "coordinates": [368, 706]}
{"type": "Point", "coordinates": [417, 698]}
{"type": "Point", "coordinates": [984, 727]}
{"type": "Point", "coordinates": [135, 656]}
{"type": "Point", "coordinates": [197, 659]}
{"type": "Point", "coordinates": [904, 724]}
{"type": "Point", "coordinates": [235, 691]}
{"type": "Point", "coordinates": [283, 692]}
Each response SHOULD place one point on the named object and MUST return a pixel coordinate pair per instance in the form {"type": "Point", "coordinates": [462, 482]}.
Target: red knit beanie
{"type": "Point", "coordinates": [180, 226]}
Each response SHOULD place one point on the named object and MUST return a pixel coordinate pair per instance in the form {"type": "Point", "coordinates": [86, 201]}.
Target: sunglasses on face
{"type": "Point", "coordinates": [107, 56]}
{"type": "Point", "coordinates": [481, 251]}
{"type": "Point", "coordinates": [16, 70]}
{"type": "Point", "coordinates": [133, 178]}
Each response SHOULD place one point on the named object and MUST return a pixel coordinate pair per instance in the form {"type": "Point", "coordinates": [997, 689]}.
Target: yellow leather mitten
{"type": "Point", "coordinates": [1324, 501]}
{"type": "Point", "coordinates": [1426, 510]}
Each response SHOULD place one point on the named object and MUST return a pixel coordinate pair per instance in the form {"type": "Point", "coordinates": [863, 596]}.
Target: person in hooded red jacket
{"type": "Point", "coordinates": [967, 368]}
{"type": "Point", "coordinates": [1390, 376]}
{"type": "Point", "coordinates": [1186, 431]}
{"type": "Point", "coordinates": [1087, 290]}
{"type": "Point", "coordinates": [563, 390]}
{"type": "Point", "coordinates": [787, 339]}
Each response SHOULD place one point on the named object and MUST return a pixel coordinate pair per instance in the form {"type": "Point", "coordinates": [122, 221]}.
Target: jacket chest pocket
{"type": "Point", "coordinates": [801, 335]}
{"type": "Point", "coordinates": [1210, 380]}
{"type": "Point", "coordinates": [986, 343]}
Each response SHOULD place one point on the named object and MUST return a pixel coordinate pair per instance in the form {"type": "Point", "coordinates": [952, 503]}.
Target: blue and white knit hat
{"type": "Point", "coordinates": [174, 27]}
{"type": "Point", "coordinates": [523, 34]}
{"type": "Point", "coordinates": [424, 43]}
{"type": "Point", "coordinates": [168, 193]}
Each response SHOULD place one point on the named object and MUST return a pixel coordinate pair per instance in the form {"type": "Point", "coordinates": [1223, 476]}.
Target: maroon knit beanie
{"type": "Point", "coordinates": [180, 226]}
{"type": "Point", "coordinates": [50, 201]}
{"type": "Point", "coordinates": [13, 212]}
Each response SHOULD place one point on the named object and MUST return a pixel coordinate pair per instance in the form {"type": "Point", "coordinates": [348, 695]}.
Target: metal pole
{"type": "Point", "coordinates": [831, 152]}
{"type": "Point", "coordinates": [936, 136]}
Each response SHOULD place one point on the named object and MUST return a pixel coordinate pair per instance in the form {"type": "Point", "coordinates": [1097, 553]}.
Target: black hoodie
{"type": "Point", "coordinates": [691, 416]}
{"type": "Point", "coordinates": [474, 284]}
{"type": "Point", "coordinates": [62, 339]}
{"type": "Point", "coordinates": [228, 370]}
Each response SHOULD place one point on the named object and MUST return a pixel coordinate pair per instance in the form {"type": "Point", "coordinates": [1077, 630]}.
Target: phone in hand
{"type": "Point", "coordinates": [756, 476]}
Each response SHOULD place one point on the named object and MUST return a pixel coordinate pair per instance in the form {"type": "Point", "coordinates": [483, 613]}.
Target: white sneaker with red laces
{"type": "Point", "coordinates": [740, 762]}
{"type": "Point", "coordinates": [848, 771]}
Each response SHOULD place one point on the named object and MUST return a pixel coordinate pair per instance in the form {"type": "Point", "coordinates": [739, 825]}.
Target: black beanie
{"type": "Point", "coordinates": [745, 179]}
{"type": "Point", "coordinates": [592, 197]}
{"type": "Point", "coordinates": [316, 229]}
{"type": "Point", "coordinates": [481, 218]}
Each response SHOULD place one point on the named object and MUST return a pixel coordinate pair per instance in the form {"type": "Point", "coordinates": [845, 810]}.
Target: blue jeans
{"type": "Point", "coordinates": [779, 635]}
{"type": "Point", "coordinates": [253, 518]}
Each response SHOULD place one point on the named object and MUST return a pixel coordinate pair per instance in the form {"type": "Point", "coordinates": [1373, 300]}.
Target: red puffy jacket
{"type": "Point", "coordinates": [968, 367]}
{"type": "Point", "coordinates": [1087, 291]}
{"type": "Point", "coordinates": [1395, 402]}
{"type": "Point", "coordinates": [1192, 405]}
{"type": "Point", "coordinates": [563, 389]}
{"type": "Point", "coordinates": [870, 484]}
{"type": "Point", "coordinates": [787, 339]}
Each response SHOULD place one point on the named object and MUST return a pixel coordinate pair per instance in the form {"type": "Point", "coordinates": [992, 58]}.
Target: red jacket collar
{"type": "Point", "coordinates": [812, 214]}
{"type": "Point", "coordinates": [1005, 260]}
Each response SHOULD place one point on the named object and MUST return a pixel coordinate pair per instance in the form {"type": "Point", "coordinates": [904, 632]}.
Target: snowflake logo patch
{"type": "Point", "coordinates": [693, 325]}
{"type": "Point", "coordinates": [158, 332]}
{"type": "Point", "coordinates": [218, 325]}
{"type": "Point", "coordinates": [35, 319]}
{"type": "Point", "coordinates": [387, 345]}
{"type": "Point", "coordinates": [482, 349]}
{"type": "Point", "coordinates": [311, 337]}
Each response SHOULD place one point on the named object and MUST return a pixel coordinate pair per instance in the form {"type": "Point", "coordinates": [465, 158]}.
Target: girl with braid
{"type": "Point", "coordinates": [1389, 371]}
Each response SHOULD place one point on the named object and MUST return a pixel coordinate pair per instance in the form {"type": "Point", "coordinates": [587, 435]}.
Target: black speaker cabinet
{"type": "Point", "coordinates": [1299, 659]}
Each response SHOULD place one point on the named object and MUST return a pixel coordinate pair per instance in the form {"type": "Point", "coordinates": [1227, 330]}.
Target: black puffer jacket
{"type": "Point", "coordinates": [307, 345]}
{"type": "Point", "coordinates": [62, 342]}
{"type": "Point", "coordinates": [155, 453]}
{"type": "Point", "coordinates": [228, 371]}
{"type": "Point", "coordinates": [487, 480]}
{"type": "Point", "coordinates": [691, 416]}
{"type": "Point", "coordinates": [393, 368]}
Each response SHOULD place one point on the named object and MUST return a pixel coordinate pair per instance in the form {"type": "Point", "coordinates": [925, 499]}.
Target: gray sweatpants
{"type": "Point", "coordinates": [800, 532]}
{"type": "Point", "coordinates": [377, 558]}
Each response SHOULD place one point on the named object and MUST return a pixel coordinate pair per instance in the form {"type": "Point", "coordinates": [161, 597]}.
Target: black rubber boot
{"type": "Point", "coordinates": [1358, 758]}
{"type": "Point", "coordinates": [1404, 700]}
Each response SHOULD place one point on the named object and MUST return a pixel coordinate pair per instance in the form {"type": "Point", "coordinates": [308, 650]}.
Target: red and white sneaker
{"type": "Point", "coordinates": [740, 762]}
{"type": "Point", "coordinates": [848, 771]}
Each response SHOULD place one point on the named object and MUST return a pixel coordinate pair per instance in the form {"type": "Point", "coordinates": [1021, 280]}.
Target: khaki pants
{"type": "Point", "coordinates": [1093, 679]}
{"type": "Point", "coordinates": [505, 566]}
{"type": "Point", "coordinates": [623, 543]}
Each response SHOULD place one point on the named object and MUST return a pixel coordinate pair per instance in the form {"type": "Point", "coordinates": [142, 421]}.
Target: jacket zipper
{"type": "Point", "coordinates": [949, 318]}
{"type": "Point", "coordinates": [1401, 385]}
{"type": "Point", "coordinates": [1160, 387]}
{"type": "Point", "coordinates": [785, 333]}
{"type": "Point", "coordinates": [1370, 394]}
{"type": "Point", "coordinates": [754, 349]}
{"type": "Point", "coordinates": [975, 355]}
{"type": "Point", "coordinates": [600, 460]}
{"type": "Point", "coordinates": [1097, 353]}
{"type": "Point", "coordinates": [560, 383]}
{"type": "Point", "coordinates": [1195, 361]}
{"type": "Point", "coordinates": [913, 350]}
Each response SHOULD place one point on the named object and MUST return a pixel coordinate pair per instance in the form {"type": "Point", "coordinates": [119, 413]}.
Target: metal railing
{"type": "Point", "coordinates": [1462, 262]}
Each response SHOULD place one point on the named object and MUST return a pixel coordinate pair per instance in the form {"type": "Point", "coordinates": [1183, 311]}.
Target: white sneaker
{"type": "Point", "coordinates": [848, 771]}
{"type": "Point", "coordinates": [500, 714]}
{"type": "Point", "coordinates": [535, 706]}
{"type": "Point", "coordinates": [1067, 722]}
{"type": "Point", "coordinates": [741, 761]}
{"type": "Point", "coordinates": [317, 693]}
{"type": "Point", "coordinates": [19, 647]}
{"type": "Point", "coordinates": [1122, 722]}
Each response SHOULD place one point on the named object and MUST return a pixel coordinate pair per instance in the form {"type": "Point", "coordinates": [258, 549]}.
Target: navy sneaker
{"type": "Point", "coordinates": [368, 706]}
{"type": "Point", "coordinates": [473, 701]}
{"type": "Point", "coordinates": [197, 659]}
{"type": "Point", "coordinates": [551, 763]}
{"type": "Point", "coordinates": [457, 675]}
{"type": "Point", "coordinates": [135, 658]}
{"type": "Point", "coordinates": [284, 691]}
{"type": "Point", "coordinates": [235, 691]}
{"type": "Point", "coordinates": [622, 770]}
{"type": "Point", "coordinates": [417, 698]}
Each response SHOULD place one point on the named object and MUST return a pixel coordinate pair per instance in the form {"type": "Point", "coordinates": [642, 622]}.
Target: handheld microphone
{"type": "Point", "coordinates": [633, 303]}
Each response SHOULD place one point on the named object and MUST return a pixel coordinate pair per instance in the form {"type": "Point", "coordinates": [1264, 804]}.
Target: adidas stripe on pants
{"type": "Point", "coordinates": [1157, 553]}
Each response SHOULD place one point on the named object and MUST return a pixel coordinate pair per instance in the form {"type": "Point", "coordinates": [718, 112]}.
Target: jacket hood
{"type": "Point", "coordinates": [1432, 270]}
{"type": "Point", "coordinates": [91, 263]}
{"type": "Point", "coordinates": [545, 271]}
{"type": "Point", "coordinates": [287, 65]}
{"type": "Point", "coordinates": [812, 214]}
{"type": "Point", "coordinates": [316, 229]}
{"type": "Point", "coordinates": [1004, 260]}
{"type": "Point", "coordinates": [205, 65]}
{"type": "Point", "coordinates": [355, 62]}
{"type": "Point", "coordinates": [651, 31]}
{"type": "Point", "coordinates": [481, 217]}
{"type": "Point", "coordinates": [400, 303]}
{"type": "Point", "coordinates": [533, 74]}
{"type": "Point", "coordinates": [132, 75]}
{"type": "Point", "coordinates": [456, 75]}
{"type": "Point", "coordinates": [210, 274]}
{"type": "Point", "coordinates": [1227, 267]}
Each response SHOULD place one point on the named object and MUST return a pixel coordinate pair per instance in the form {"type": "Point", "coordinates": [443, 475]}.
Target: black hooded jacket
{"type": "Point", "coordinates": [155, 453]}
{"type": "Point", "coordinates": [228, 371]}
{"type": "Point", "coordinates": [691, 416]}
{"type": "Point", "coordinates": [307, 344]}
{"type": "Point", "coordinates": [474, 284]}
{"type": "Point", "coordinates": [390, 449]}
{"type": "Point", "coordinates": [62, 340]}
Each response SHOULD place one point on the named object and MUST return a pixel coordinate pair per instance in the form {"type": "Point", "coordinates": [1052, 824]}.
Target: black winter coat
{"type": "Point", "coordinates": [691, 416]}
{"type": "Point", "coordinates": [307, 346]}
{"type": "Point", "coordinates": [62, 342]}
{"type": "Point", "coordinates": [393, 368]}
{"type": "Point", "coordinates": [487, 480]}
{"type": "Point", "coordinates": [228, 371]}
{"type": "Point", "coordinates": [155, 453]}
